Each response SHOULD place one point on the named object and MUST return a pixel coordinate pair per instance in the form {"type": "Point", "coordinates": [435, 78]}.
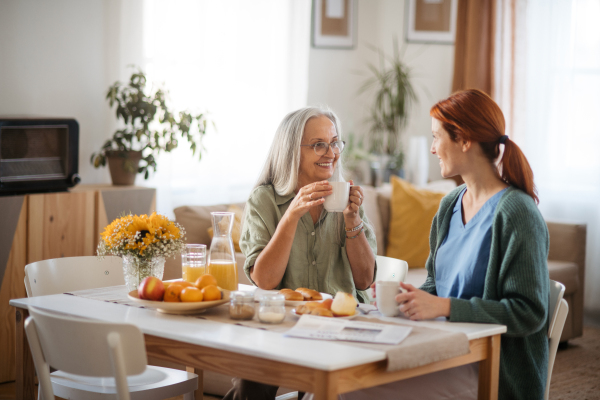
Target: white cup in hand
{"type": "Point", "coordinates": [386, 297]}
{"type": "Point", "coordinates": [338, 200]}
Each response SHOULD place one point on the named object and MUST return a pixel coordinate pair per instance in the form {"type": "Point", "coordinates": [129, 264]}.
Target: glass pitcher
{"type": "Point", "coordinates": [221, 257]}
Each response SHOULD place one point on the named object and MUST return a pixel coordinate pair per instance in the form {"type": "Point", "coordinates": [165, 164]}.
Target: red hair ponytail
{"type": "Point", "coordinates": [516, 169]}
{"type": "Point", "coordinates": [473, 115]}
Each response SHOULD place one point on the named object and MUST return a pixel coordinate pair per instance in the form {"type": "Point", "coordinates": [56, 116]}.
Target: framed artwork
{"type": "Point", "coordinates": [334, 23]}
{"type": "Point", "coordinates": [431, 21]}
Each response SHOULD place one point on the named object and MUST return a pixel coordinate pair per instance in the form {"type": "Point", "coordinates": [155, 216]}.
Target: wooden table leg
{"type": "Point", "coordinates": [326, 386]}
{"type": "Point", "coordinates": [489, 370]}
{"type": "Point", "coordinates": [25, 369]}
{"type": "Point", "coordinates": [199, 393]}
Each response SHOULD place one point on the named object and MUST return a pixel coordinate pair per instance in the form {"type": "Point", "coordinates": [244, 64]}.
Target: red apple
{"type": "Point", "coordinates": [151, 288]}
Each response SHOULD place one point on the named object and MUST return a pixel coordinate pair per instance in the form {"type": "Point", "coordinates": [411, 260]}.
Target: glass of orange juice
{"type": "Point", "coordinates": [193, 262]}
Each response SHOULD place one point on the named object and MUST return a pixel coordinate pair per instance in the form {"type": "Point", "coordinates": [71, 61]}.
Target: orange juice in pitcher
{"type": "Point", "coordinates": [225, 272]}
{"type": "Point", "coordinates": [221, 257]}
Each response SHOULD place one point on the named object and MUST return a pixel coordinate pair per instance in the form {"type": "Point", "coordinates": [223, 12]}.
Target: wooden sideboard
{"type": "Point", "coordinates": [53, 225]}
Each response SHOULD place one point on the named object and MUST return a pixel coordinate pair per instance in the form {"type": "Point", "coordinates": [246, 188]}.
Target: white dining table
{"type": "Point", "coordinates": [325, 368]}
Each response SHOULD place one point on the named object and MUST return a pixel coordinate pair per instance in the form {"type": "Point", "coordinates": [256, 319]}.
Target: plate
{"type": "Point", "coordinates": [195, 307]}
{"type": "Point", "coordinates": [356, 314]}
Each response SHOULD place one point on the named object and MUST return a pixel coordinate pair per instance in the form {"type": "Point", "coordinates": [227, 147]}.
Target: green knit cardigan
{"type": "Point", "coordinates": [515, 292]}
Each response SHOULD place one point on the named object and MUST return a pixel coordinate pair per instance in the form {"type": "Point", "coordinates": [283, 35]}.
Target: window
{"type": "Point", "coordinates": [244, 62]}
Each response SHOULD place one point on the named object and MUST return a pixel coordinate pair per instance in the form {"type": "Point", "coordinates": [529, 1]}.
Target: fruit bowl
{"type": "Point", "coordinates": [195, 307]}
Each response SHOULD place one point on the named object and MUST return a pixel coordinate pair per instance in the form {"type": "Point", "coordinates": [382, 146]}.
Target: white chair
{"type": "Point", "coordinates": [389, 269]}
{"type": "Point", "coordinates": [557, 315]}
{"type": "Point", "coordinates": [98, 360]}
{"type": "Point", "coordinates": [62, 275]}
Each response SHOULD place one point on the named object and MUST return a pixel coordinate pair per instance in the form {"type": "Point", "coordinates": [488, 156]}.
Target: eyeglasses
{"type": "Point", "coordinates": [322, 148]}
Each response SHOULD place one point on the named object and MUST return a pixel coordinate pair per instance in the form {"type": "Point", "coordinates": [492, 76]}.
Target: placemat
{"type": "Point", "coordinates": [423, 346]}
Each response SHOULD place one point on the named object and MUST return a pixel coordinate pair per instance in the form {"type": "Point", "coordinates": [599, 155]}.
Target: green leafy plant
{"type": "Point", "coordinates": [394, 97]}
{"type": "Point", "coordinates": [150, 125]}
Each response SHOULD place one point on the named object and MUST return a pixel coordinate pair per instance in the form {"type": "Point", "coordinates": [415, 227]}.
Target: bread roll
{"type": "Point", "coordinates": [316, 295]}
{"type": "Point", "coordinates": [313, 304]}
{"type": "Point", "coordinates": [343, 304]}
{"type": "Point", "coordinates": [322, 312]}
{"type": "Point", "coordinates": [291, 295]}
{"type": "Point", "coordinates": [300, 310]}
{"type": "Point", "coordinates": [310, 294]}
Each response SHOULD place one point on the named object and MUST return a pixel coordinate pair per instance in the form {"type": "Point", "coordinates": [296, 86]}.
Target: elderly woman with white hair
{"type": "Point", "coordinates": [288, 238]}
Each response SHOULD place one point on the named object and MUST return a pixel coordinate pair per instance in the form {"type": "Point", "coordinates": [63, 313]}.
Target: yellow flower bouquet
{"type": "Point", "coordinates": [143, 242]}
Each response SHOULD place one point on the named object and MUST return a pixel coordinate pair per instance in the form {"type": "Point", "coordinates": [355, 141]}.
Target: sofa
{"type": "Point", "coordinates": [566, 259]}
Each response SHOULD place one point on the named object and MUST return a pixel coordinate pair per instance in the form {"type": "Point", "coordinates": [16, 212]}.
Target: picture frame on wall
{"type": "Point", "coordinates": [431, 21]}
{"type": "Point", "coordinates": [334, 24]}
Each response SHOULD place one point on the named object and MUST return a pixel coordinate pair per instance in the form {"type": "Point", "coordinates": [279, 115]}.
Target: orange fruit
{"type": "Point", "coordinates": [189, 294]}
{"type": "Point", "coordinates": [172, 293]}
{"type": "Point", "coordinates": [205, 280]}
{"type": "Point", "coordinates": [181, 283]}
{"type": "Point", "coordinates": [211, 293]}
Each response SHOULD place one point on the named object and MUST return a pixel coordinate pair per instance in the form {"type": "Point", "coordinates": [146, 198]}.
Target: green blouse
{"type": "Point", "coordinates": [317, 259]}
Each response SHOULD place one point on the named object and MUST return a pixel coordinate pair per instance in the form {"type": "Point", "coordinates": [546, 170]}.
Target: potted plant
{"type": "Point", "coordinates": [150, 127]}
{"type": "Point", "coordinates": [394, 97]}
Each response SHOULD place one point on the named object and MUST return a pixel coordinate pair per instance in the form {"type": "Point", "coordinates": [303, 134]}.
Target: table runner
{"type": "Point", "coordinates": [423, 345]}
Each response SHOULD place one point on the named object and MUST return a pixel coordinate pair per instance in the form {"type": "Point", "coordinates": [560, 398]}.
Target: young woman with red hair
{"type": "Point", "coordinates": [487, 263]}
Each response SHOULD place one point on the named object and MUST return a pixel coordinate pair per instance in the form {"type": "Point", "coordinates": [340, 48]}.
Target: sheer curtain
{"type": "Point", "coordinates": [246, 62]}
{"type": "Point", "coordinates": [554, 86]}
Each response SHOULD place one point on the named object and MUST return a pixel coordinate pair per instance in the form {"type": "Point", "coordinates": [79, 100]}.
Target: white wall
{"type": "Point", "coordinates": [335, 75]}
{"type": "Point", "coordinates": [52, 64]}
{"type": "Point", "coordinates": [58, 58]}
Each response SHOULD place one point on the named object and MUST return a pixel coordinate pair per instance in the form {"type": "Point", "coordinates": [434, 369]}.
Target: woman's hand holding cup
{"type": "Point", "coordinates": [309, 196]}
{"type": "Point", "coordinates": [355, 200]}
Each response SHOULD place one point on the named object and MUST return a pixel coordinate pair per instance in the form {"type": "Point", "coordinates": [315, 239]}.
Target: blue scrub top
{"type": "Point", "coordinates": [462, 259]}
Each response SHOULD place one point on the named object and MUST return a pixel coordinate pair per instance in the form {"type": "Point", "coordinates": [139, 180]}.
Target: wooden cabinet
{"type": "Point", "coordinates": [60, 225]}
{"type": "Point", "coordinates": [52, 225]}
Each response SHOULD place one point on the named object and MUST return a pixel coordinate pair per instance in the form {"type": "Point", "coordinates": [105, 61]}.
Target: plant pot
{"type": "Point", "coordinates": [136, 269]}
{"type": "Point", "coordinates": [123, 166]}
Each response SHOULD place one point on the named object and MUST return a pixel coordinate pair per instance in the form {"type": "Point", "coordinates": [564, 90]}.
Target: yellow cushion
{"type": "Point", "coordinates": [411, 213]}
{"type": "Point", "coordinates": [237, 227]}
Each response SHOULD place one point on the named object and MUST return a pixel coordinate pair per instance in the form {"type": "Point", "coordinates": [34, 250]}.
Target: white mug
{"type": "Point", "coordinates": [386, 292]}
{"type": "Point", "coordinates": [338, 200]}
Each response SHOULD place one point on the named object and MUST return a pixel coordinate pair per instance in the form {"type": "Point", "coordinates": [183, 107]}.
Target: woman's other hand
{"type": "Point", "coordinates": [418, 305]}
{"type": "Point", "coordinates": [356, 197]}
{"type": "Point", "coordinates": [309, 196]}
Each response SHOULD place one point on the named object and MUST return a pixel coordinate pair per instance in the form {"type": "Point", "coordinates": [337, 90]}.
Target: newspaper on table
{"type": "Point", "coordinates": [314, 327]}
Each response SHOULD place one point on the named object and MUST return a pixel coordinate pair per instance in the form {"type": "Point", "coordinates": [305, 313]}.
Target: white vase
{"type": "Point", "coordinates": [417, 161]}
{"type": "Point", "coordinates": [135, 270]}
